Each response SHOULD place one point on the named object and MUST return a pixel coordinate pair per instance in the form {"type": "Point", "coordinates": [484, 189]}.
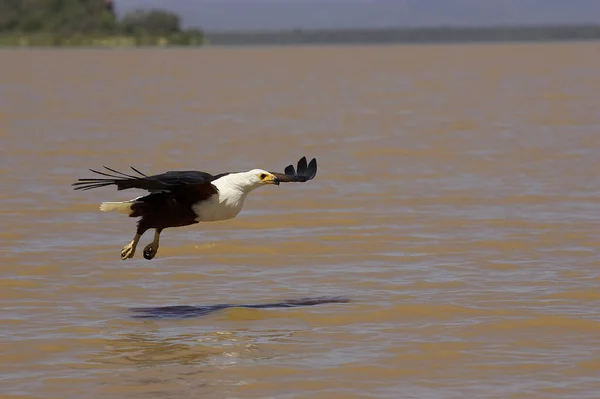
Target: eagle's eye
{"type": "Point", "coordinates": [262, 176]}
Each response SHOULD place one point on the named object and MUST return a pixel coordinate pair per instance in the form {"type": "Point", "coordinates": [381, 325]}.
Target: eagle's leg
{"type": "Point", "coordinates": [129, 250]}
{"type": "Point", "coordinates": [152, 248]}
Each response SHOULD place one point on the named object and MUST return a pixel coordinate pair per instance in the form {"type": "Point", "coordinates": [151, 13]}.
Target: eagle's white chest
{"type": "Point", "coordinates": [222, 206]}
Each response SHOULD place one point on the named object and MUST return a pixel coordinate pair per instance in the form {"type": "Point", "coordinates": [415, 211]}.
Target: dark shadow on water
{"type": "Point", "coordinates": [185, 311]}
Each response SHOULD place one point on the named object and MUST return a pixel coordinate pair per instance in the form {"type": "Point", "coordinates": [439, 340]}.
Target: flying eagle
{"type": "Point", "coordinates": [182, 198]}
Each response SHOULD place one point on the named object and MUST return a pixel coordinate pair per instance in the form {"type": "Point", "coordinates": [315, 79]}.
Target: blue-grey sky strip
{"type": "Point", "coordinates": [307, 14]}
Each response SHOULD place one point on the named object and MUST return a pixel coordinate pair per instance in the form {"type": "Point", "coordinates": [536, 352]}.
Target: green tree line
{"type": "Point", "coordinates": [82, 21]}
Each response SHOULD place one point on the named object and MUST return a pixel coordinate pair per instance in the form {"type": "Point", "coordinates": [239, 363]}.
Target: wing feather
{"type": "Point", "coordinates": [303, 172]}
{"type": "Point", "coordinates": [169, 181]}
{"type": "Point", "coordinates": [180, 181]}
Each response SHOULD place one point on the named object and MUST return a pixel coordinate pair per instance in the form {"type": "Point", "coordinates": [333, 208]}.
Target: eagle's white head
{"type": "Point", "coordinates": [261, 177]}
{"type": "Point", "coordinates": [246, 181]}
{"type": "Point", "coordinates": [256, 178]}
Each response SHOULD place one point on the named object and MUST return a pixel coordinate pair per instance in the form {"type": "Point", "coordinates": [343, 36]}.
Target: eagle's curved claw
{"type": "Point", "coordinates": [150, 251]}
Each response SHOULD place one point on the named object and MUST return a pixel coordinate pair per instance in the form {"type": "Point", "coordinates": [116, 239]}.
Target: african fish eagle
{"type": "Point", "coordinates": [182, 198]}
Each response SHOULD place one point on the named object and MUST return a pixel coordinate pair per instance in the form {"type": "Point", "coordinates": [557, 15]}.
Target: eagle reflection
{"type": "Point", "coordinates": [186, 311]}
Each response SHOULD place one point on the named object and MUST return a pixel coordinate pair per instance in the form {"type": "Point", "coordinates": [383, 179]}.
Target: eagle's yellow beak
{"type": "Point", "coordinates": [271, 179]}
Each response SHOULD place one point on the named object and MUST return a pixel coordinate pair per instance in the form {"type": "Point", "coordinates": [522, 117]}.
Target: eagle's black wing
{"type": "Point", "coordinates": [304, 172]}
{"type": "Point", "coordinates": [169, 181]}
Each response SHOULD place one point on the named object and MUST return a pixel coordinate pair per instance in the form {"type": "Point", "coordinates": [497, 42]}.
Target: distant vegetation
{"type": "Point", "coordinates": [94, 23]}
{"type": "Point", "coordinates": [409, 35]}
{"type": "Point", "coordinates": [89, 22]}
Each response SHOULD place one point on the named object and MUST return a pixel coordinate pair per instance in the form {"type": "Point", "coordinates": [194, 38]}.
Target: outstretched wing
{"type": "Point", "coordinates": [304, 172]}
{"type": "Point", "coordinates": [169, 181]}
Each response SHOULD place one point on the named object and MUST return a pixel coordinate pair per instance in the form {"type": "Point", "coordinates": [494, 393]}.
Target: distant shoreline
{"type": "Point", "coordinates": [407, 35]}
{"type": "Point", "coordinates": [426, 35]}
{"type": "Point", "coordinates": [114, 41]}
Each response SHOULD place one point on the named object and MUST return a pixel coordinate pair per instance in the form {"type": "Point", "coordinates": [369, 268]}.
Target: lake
{"type": "Point", "coordinates": [455, 216]}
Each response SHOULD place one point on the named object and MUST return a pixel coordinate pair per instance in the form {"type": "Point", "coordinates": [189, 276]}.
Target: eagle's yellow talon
{"type": "Point", "coordinates": [129, 250]}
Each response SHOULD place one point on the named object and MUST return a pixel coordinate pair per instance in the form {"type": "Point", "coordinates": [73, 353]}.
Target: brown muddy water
{"type": "Point", "coordinates": [457, 207]}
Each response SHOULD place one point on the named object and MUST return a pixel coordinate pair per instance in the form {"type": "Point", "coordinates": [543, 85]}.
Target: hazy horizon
{"type": "Point", "coordinates": [213, 15]}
